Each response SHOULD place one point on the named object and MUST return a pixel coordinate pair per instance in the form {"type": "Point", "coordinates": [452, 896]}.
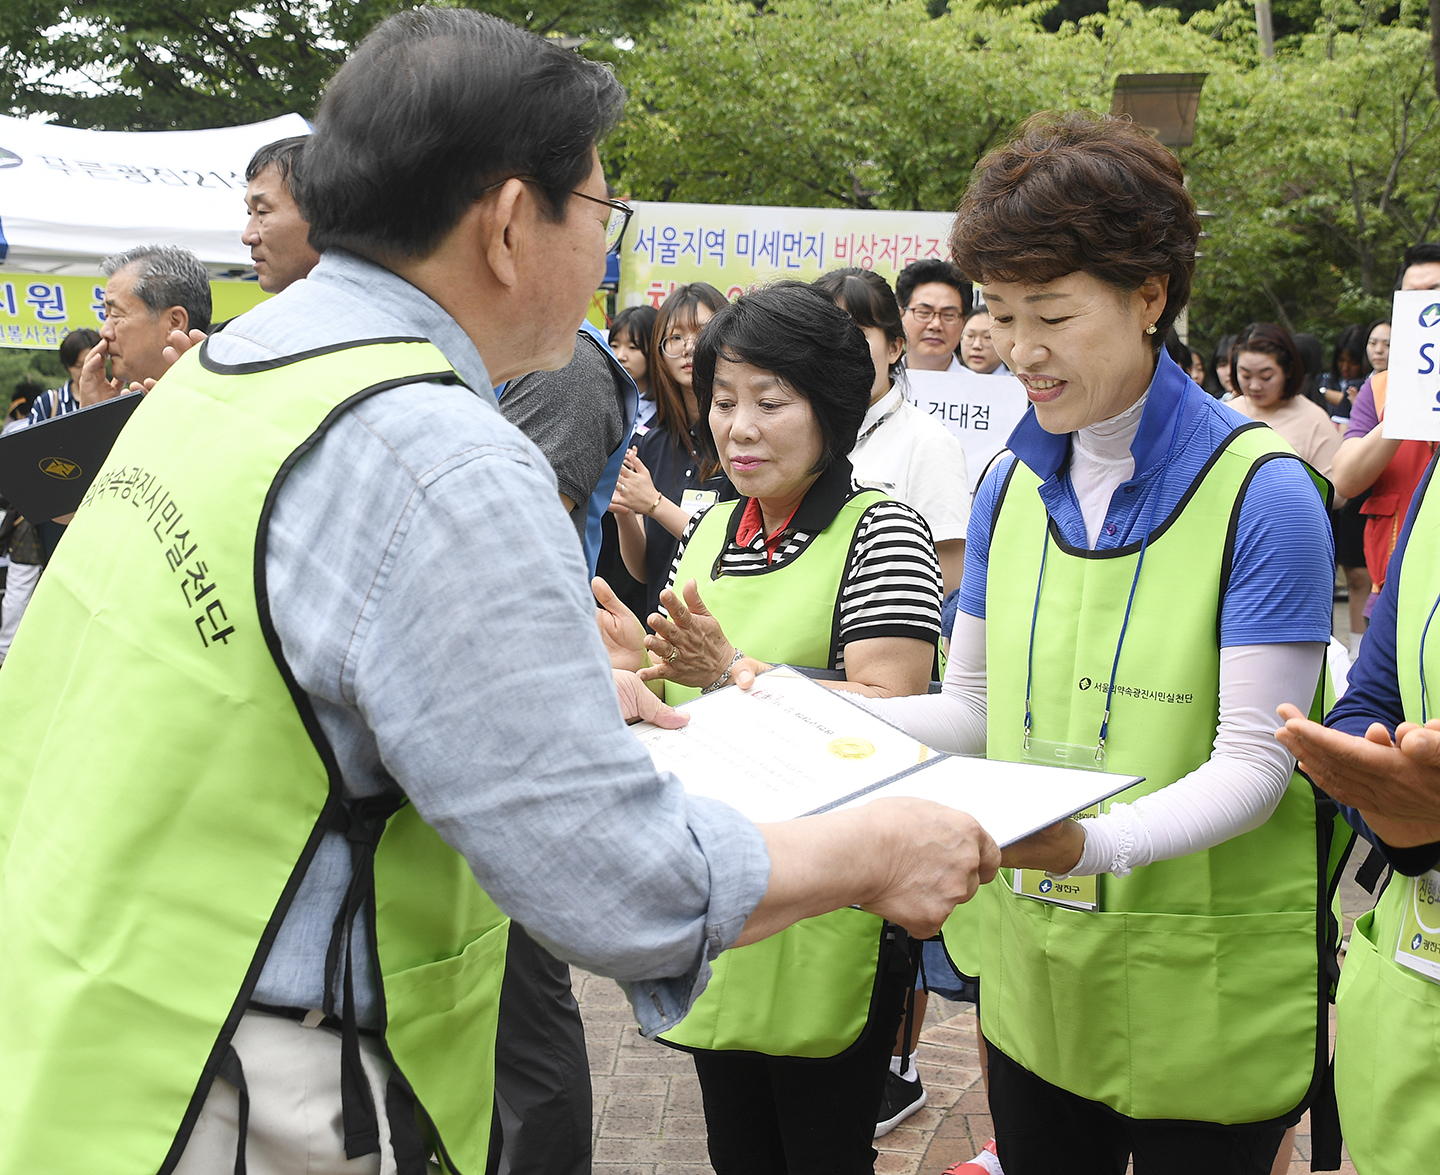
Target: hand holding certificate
{"type": "Point", "coordinates": [788, 748]}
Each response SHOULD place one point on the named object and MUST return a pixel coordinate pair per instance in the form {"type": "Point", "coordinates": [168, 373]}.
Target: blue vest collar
{"type": "Point", "coordinates": [1047, 454]}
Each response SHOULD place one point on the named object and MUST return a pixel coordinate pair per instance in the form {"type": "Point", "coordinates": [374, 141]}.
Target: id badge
{"type": "Point", "coordinates": [693, 500]}
{"type": "Point", "coordinates": [1418, 947]}
{"type": "Point", "coordinates": [1079, 893]}
{"type": "Point", "coordinates": [1079, 756]}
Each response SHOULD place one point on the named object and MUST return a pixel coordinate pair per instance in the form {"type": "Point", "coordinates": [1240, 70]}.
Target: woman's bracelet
{"type": "Point", "coordinates": [655, 505]}
{"type": "Point", "coordinates": [724, 677]}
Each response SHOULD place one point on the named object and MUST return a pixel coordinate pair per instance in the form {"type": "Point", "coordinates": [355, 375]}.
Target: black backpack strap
{"type": "Point", "coordinates": [233, 1072]}
{"type": "Point", "coordinates": [363, 825]}
{"type": "Point", "coordinates": [1325, 1125]}
{"type": "Point", "coordinates": [1368, 875]}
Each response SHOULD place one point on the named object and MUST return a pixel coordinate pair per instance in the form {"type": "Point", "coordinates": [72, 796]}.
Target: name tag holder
{"type": "Point", "coordinates": [1418, 945]}
{"type": "Point", "coordinates": [1075, 893]}
{"type": "Point", "coordinates": [693, 500]}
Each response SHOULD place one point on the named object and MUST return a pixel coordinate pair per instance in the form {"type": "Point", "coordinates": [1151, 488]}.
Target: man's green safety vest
{"type": "Point", "coordinates": [1387, 1040]}
{"type": "Point", "coordinates": [169, 786]}
{"type": "Point", "coordinates": [1193, 990]}
{"type": "Point", "coordinates": [807, 991]}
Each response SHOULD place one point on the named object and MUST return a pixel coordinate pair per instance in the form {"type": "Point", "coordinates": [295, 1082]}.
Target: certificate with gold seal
{"type": "Point", "coordinates": [789, 747]}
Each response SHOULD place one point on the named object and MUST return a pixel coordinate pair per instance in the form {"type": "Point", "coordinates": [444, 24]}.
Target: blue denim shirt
{"type": "Point", "coordinates": [431, 597]}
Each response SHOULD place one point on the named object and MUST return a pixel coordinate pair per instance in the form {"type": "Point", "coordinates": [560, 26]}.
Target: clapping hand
{"type": "Point", "coordinates": [620, 628]}
{"type": "Point", "coordinates": [687, 647]}
{"type": "Point", "coordinates": [180, 342]}
{"type": "Point", "coordinates": [1394, 783]}
{"type": "Point", "coordinates": [634, 489]}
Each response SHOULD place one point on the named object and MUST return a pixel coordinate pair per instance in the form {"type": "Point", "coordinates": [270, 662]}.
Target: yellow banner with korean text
{"type": "Point", "coordinates": [38, 310]}
{"type": "Point", "coordinates": [735, 247]}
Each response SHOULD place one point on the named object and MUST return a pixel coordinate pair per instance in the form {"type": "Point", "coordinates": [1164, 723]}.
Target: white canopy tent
{"type": "Point", "coordinates": [69, 198]}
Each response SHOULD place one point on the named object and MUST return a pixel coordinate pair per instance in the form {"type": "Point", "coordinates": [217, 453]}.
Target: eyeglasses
{"type": "Point", "coordinates": [620, 214]}
{"type": "Point", "coordinates": [923, 313]}
{"type": "Point", "coordinates": [615, 226]}
{"type": "Point", "coordinates": [677, 344]}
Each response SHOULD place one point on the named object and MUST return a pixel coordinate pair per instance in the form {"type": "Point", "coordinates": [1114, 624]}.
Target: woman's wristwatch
{"type": "Point", "coordinates": [724, 678]}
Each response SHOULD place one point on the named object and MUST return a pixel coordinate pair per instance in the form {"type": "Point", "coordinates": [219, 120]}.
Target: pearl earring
{"type": "Point", "coordinates": [1150, 330]}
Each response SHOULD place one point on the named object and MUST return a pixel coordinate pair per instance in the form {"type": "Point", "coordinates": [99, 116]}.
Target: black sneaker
{"type": "Point", "coordinates": [901, 1099]}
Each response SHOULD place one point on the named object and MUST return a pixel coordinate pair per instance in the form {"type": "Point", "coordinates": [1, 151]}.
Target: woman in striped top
{"type": "Point", "coordinates": [812, 570]}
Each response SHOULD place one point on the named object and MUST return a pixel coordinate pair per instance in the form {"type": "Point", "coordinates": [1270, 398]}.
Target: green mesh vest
{"type": "Point", "coordinates": [1387, 1042]}
{"type": "Point", "coordinates": [807, 991]}
{"type": "Point", "coordinates": [1194, 989]}
{"type": "Point", "coordinates": [160, 805]}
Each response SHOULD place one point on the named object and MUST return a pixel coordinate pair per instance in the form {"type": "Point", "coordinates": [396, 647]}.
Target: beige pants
{"type": "Point", "coordinates": [293, 1076]}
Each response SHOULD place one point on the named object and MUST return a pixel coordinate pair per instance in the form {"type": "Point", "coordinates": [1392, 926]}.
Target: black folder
{"type": "Point", "coordinates": [45, 469]}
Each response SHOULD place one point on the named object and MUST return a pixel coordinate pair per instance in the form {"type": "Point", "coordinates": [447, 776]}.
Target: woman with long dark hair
{"type": "Point", "coordinates": [668, 475]}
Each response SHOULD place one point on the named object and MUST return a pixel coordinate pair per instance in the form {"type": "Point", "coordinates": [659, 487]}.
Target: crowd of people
{"type": "Point", "coordinates": [306, 875]}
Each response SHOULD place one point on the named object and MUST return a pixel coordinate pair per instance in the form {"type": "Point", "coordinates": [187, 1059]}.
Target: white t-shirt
{"type": "Point", "coordinates": [915, 459]}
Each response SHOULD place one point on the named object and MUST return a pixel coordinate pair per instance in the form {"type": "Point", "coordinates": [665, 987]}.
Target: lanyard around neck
{"type": "Point", "coordinates": [869, 431]}
{"type": "Point", "coordinates": [1129, 603]}
{"type": "Point", "coordinates": [1424, 690]}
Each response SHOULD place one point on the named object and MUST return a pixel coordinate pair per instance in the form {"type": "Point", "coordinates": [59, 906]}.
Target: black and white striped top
{"type": "Point", "coordinates": [892, 586]}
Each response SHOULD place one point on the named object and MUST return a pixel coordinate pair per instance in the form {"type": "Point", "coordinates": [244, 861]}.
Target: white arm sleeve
{"type": "Point", "coordinates": [953, 720]}
{"type": "Point", "coordinates": [1233, 792]}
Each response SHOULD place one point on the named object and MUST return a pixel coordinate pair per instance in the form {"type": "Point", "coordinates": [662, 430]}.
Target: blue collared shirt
{"type": "Point", "coordinates": [431, 597]}
{"type": "Point", "coordinates": [1280, 584]}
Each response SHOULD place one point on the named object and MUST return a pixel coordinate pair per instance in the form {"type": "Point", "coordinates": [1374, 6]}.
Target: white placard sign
{"type": "Point", "coordinates": [1412, 399]}
{"type": "Point", "coordinates": [70, 197]}
{"type": "Point", "coordinates": [981, 410]}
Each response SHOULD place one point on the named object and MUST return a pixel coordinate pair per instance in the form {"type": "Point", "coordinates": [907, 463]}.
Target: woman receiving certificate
{"type": "Point", "coordinates": [1147, 576]}
{"type": "Point", "coordinates": [792, 1036]}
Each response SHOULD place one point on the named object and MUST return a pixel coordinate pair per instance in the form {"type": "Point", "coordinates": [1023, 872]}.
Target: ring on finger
{"type": "Point", "coordinates": [674, 652]}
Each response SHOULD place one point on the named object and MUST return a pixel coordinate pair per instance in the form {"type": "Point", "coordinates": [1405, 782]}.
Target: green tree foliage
{"type": "Point", "coordinates": [1319, 166]}
{"type": "Point", "coordinates": [180, 64]}
{"type": "Point", "coordinates": [1322, 171]}
{"type": "Point", "coordinates": [24, 366]}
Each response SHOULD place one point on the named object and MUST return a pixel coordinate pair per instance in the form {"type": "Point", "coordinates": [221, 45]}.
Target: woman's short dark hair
{"type": "Point", "coordinates": [798, 333]}
{"type": "Point", "coordinates": [1080, 192]}
{"type": "Point", "coordinates": [1351, 342]}
{"type": "Point", "coordinates": [868, 299]}
{"type": "Point", "coordinates": [636, 323]}
{"type": "Point", "coordinates": [433, 107]}
{"type": "Point", "coordinates": [76, 342]}
{"type": "Point", "coordinates": [1270, 338]}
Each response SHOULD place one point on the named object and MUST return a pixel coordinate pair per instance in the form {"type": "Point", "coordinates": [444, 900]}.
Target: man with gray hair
{"type": "Point", "coordinates": [153, 290]}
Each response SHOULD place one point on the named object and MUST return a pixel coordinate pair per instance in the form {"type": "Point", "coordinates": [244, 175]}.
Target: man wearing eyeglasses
{"type": "Point", "coordinates": [329, 637]}
{"type": "Point", "coordinates": [934, 298]}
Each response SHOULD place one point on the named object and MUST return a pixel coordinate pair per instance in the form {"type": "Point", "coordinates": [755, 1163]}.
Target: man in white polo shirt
{"type": "Point", "coordinates": [900, 449]}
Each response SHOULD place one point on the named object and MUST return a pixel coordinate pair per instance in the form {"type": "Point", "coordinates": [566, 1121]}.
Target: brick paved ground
{"type": "Point", "coordinates": [648, 1118]}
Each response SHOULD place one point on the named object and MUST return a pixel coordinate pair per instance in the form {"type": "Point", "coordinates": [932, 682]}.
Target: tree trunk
{"type": "Point", "coordinates": [1435, 43]}
{"type": "Point", "coordinates": [1266, 30]}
